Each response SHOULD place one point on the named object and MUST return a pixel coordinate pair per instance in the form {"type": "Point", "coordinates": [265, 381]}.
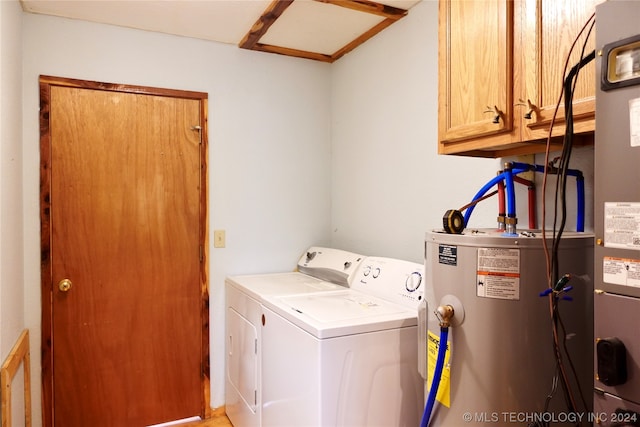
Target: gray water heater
{"type": "Point", "coordinates": [501, 365]}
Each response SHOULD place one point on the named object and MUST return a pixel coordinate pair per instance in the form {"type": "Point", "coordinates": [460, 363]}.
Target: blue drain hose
{"type": "Point", "coordinates": [437, 374]}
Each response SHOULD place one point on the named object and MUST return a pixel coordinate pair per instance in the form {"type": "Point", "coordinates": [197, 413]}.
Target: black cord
{"type": "Point", "coordinates": [571, 364]}
{"type": "Point", "coordinates": [560, 192]}
{"type": "Point", "coordinates": [566, 388]}
{"type": "Point", "coordinates": [570, 83]}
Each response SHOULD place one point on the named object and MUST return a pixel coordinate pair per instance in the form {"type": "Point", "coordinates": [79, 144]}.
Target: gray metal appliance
{"type": "Point", "coordinates": [501, 365]}
{"type": "Point", "coordinates": [617, 215]}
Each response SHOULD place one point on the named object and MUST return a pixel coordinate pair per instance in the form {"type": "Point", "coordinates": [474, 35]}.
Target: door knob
{"type": "Point", "coordinates": [64, 285]}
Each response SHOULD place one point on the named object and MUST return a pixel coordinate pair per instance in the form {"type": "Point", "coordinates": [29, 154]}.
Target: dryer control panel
{"type": "Point", "coordinates": [394, 280]}
{"type": "Point", "coordinates": [333, 265]}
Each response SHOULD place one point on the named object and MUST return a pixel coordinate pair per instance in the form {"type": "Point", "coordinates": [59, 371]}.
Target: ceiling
{"type": "Point", "coordinates": [322, 30]}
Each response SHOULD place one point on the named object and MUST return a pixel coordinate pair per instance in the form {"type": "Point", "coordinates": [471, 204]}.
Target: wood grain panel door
{"type": "Point", "coordinates": [475, 77]}
{"type": "Point", "coordinates": [125, 301]}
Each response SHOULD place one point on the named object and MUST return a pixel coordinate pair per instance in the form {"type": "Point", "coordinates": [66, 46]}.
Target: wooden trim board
{"type": "Point", "coordinates": [19, 355]}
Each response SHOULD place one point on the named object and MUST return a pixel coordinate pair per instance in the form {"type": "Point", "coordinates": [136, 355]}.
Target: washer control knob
{"type": "Point", "coordinates": [413, 281]}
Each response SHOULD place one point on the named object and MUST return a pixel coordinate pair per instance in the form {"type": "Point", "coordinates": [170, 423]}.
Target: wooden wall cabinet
{"type": "Point", "coordinates": [501, 68]}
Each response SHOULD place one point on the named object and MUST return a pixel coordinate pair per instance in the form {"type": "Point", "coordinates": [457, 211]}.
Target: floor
{"type": "Point", "coordinates": [216, 421]}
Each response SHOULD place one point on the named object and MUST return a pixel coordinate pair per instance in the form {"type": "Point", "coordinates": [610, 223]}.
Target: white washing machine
{"type": "Point", "coordinates": [346, 357]}
{"type": "Point", "coordinates": [319, 270]}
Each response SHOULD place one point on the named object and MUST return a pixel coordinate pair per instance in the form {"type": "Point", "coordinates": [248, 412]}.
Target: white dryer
{"type": "Point", "coordinates": [319, 270]}
{"type": "Point", "coordinates": [346, 357]}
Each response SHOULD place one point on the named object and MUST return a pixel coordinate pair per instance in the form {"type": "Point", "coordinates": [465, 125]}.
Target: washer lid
{"type": "Point", "coordinates": [335, 307]}
{"type": "Point", "coordinates": [348, 312]}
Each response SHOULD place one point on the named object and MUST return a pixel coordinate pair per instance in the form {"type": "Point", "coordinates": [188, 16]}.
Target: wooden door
{"type": "Point", "coordinates": [124, 290]}
{"type": "Point", "coordinates": [475, 88]}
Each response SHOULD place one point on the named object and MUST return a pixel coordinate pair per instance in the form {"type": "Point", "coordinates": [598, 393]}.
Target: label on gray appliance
{"type": "Point", "coordinates": [621, 271]}
{"type": "Point", "coordinates": [498, 274]}
{"type": "Point", "coordinates": [622, 225]}
{"type": "Point", "coordinates": [448, 254]}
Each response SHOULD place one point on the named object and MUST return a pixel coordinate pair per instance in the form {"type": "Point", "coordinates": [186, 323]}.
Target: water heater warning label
{"type": "Point", "coordinates": [498, 273]}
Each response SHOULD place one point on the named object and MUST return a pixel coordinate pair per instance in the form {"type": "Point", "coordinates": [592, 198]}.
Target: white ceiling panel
{"type": "Point", "coordinates": [298, 27]}
{"type": "Point", "coordinates": [305, 25]}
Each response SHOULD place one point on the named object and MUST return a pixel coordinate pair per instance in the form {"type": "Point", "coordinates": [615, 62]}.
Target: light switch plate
{"type": "Point", "coordinates": [219, 238]}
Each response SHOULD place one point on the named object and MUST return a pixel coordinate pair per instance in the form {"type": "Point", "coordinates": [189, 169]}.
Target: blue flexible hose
{"type": "Point", "coordinates": [579, 183]}
{"type": "Point", "coordinates": [511, 203]}
{"type": "Point", "coordinates": [437, 374]}
{"type": "Point", "coordinates": [511, 194]}
{"type": "Point", "coordinates": [479, 194]}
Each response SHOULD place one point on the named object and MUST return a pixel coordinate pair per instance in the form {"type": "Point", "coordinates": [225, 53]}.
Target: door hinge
{"type": "Point", "coordinates": [256, 346]}
{"type": "Point", "coordinates": [201, 253]}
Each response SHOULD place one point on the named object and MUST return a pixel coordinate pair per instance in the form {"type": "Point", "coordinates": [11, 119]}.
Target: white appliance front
{"type": "Point", "coordinates": [345, 358]}
{"type": "Point", "coordinates": [242, 381]}
{"type": "Point", "coordinates": [368, 379]}
{"type": "Point", "coordinates": [244, 319]}
{"type": "Point", "coordinates": [244, 295]}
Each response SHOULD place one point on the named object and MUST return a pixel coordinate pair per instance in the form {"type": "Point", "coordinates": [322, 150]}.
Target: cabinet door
{"type": "Point", "coordinates": [549, 30]}
{"type": "Point", "coordinates": [475, 73]}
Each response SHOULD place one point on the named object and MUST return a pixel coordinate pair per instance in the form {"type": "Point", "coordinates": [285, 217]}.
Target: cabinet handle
{"type": "Point", "coordinates": [532, 108]}
{"type": "Point", "coordinates": [496, 113]}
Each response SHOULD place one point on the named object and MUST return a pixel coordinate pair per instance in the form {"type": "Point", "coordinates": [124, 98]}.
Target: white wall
{"type": "Point", "coordinates": [389, 184]}
{"type": "Point", "coordinates": [269, 160]}
{"type": "Point", "coordinates": [11, 253]}
{"type": "Point", "coordinates": [12, 319]}
{"type": "Point", "coordinates": [582, 160]}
